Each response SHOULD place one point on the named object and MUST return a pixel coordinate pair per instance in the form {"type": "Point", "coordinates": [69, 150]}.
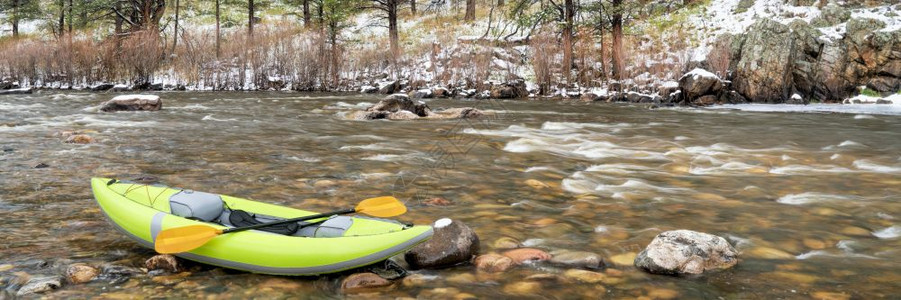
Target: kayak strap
{"type": "Point", "coordinates": [240, 218]}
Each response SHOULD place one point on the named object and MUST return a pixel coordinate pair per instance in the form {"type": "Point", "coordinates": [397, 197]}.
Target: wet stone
{"type": "Point", "coordinates": [361, 282]}
{"type": "Point", "coordinates": [452, 243]}
{"type": "Point", "coordinates": [580, 259]}
{"type": "Point", "coordinates": [418, 280]}
{"type": "Point", "coordinates": [523, 255]}
{"type": "Point", "coordinates": [522, 288]}
{"type": "Point", "coordinates": [624, 259]}
{"type": "Point", "coordinates": [38, 285]}
{"type": "Point", "coordinates": [171, 279]}
{"type": "Point", "coordinates": [493, 263]}
{"type": "Point", "coordinates": [686, 252]}
{"type": "Point", "coordinates": [829, 296]}
{"type": "Point", "coordinates": [506, 243]}
{"type": "Point", "coordinates": [79, 139]}
{"type": "Point", "coordinates": [163, 262]}
{"type": "Point", "coordinates": [584, 276]}
{"type": "Point", "coordinates": [81, 273]}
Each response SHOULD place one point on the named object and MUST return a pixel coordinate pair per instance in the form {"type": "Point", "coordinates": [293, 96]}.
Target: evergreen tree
{"type": "Point", "coordinates": [17, 11]}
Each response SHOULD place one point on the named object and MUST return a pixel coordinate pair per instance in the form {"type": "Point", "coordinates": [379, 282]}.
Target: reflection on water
{"type": "Point", "coordinates": [811, 199]}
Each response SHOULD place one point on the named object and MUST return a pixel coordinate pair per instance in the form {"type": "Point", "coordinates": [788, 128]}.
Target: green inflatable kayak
{"type": "Point", "coordinates": [335, 244]}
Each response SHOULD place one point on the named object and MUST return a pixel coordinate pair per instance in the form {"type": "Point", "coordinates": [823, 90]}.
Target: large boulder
{"type": "Point", "coordinates": [133, 103]}
{"type": "Point", "coordinates": [398, 102]}
{"type": "Point", "coordinates": [699, 82]}
{"type": "Point", "coordinates": [452, 243]}
{"type": "Point", "coordinates": [762, 74]}
{"type": "Point", "coordinates": [831, 15]}
{"type": "Point", "coordinates": [681, 252]}
{"type": "Point", "coordinates": [509, 90]}
{"type": "Point", "coordinates": [389, 87]}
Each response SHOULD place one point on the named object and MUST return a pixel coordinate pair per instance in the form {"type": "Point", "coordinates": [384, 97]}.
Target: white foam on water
{"type": "Point", "coordinates": [824, 253]}
{"type": "Point", "coordinates": [578, 186]}
{"type": "Point", "coordinates": [835, 156]}
{"type": "Point", "coordinates": [304, 159]}
{"type": "Point", "coordinates": [888, 232]}
{"type": "Point", "coordinates": [864, 117]}
{"type": "Point", "coordinates": [189, 107]}
{"type": "Point", "coordinates": [396, 157]}
{"type": "Point", "coordinates": [807, 170]}
{"type": "Point", "coordinates": [812, 108]}
{"type": "Point", "coordinates": [681, 138]}
{"type": "Point", "coordinates": [533, 242]}
{"type": "Point", "coordinates": [11, 107]}
{"type": "Point", "coordinates": [376, 146]}
{"type": "Point", "coordinates": [811, 197]}
{"type": "Point", "coordinates": [729, 168]}
{"type": "Point", "coordinates": [538, 169]}
{"type": "Point", "coordinates": [864, 164]}
{"type": "Point", "coordinates": [211, 118]}
{"type": "Point", "coordinates": [620, 169]}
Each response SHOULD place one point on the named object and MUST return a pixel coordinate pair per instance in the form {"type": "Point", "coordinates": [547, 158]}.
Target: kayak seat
{"type": "Point", "coordinates": [332, 227]}
{"type": "Point", "coordinates": [196, 205]}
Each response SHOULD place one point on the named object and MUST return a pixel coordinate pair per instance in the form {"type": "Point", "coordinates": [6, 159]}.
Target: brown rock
{"type": "Point", "coordinates": [79, 139]}
{"type": "Point", "coordinates": [363, 281]}
{"type": "Point", "coordinates": [522, 255]}
{"type": "Point", "coordinates": [163, 262]}
{"type": "Point", "coordinates": [452, 243]}
{"type": "Point", "coordinates": [523, 288]}
{"type": "Point", "coordinates": [493, 263]}
{"type": "Point", "coordinates": [171, 279]}
{"type": "Point", "coordinates": [81, 273]}
{"type": "Point", "coordinates": [437, 201]}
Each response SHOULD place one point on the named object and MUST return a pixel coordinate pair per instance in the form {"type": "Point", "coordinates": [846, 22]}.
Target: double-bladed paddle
{"type": "Point", "coordinates": [187, 238]}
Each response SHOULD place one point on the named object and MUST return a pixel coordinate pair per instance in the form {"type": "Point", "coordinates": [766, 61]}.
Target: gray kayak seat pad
{"type": "Point", "coordinates": [335, 226]}
{"type": "Point", "coordinates": [196, 205]}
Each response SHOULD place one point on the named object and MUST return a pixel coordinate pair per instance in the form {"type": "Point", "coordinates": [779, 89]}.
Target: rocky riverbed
{"type": "Point", "coordinates": [564, 197]}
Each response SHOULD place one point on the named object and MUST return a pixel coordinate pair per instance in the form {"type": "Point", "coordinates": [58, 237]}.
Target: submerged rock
{"type": "Point", "coordinates": [401, 107]}
{"type": "Point", "coordinates": [165, 262]}
{"type": "Point", "coordinates": [493, 263]}
{"type": "Point", "coordinates": [133, 103]}
{"type": "Point", "coordinates": [40, 285]}
{"type": "Point", "coordinates": [453, 243]}
{"type": "Point", "coordinates": [81, 273]}
{"type": "Point", "coordinates": [79, 139]}
{"type": "Point", "coordinates": [581, 259]}
{"type": "Point", "coordinates": [680, 252]}
{"type": "Point", "coordinates": [362, 282]}
{"type": "Point", "coordinates": [522, 255]}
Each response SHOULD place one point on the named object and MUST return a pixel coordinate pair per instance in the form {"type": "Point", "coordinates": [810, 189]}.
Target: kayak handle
{"type": "Point", "coordinates": [298, 219]}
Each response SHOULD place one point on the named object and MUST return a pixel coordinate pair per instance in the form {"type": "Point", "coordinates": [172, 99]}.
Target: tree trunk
{"type": "Point", "coordinates": [470, 11]}
{"type": "Point", "coordinates": [175, 34]}
{"type": "Point", "coordinates": [218, 36]}
{"type": "Point", "coordinates": [413, 7]}
{"type": "Point", "coordinates": [569, 10]}
{"type": "Point", "coordinates": [306, 13]}
{"type": "Point", "coordinates": [71, 16]}
{"type": "Point", "coordinates": [250, 18]}
{"type": "Point", "coordinates": [617, 26]}
{"type": "Point", "coordinates": [15, 18]}
{"type": "Point", "coordinates": [603, 55]}
{"type": "Point", "coordinates": [392, 28]}
{"type": "Point", "coordinates": [500, 3]}
{"type": "Point", "coordinates": [62, 16]}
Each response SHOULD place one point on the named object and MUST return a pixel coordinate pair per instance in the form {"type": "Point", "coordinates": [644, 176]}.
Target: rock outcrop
{"type": "Point", "coordinates": [681, 252]}
{"type": "Point", "coordinates": [772, 61]}
{"type": "Point", "coordinates": [132, 103]}
{"type": "Point", "coordinates": [401, 107]}
{"type": "Point", "coordinates": [453, 243]}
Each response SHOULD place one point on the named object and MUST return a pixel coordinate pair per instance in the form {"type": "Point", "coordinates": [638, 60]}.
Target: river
{"type": "Point", "coordinates": [811, 199]}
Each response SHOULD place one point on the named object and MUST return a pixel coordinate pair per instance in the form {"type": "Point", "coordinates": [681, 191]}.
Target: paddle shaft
{"type": "Point", "coordinates": [298, 219]}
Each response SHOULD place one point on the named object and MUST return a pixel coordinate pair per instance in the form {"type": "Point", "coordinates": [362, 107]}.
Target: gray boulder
{"type": "Point", "coordinates": [509, 90]}
{"type": "Point", "coordinates": [681, 252]}
{"type": "Point", "coordinates": [831, 15]}
{"type": "Point", "coordinates": [453, 243]}
{"type": "Point", "coordinates": [699, 82]}
{"type": "Point", "coordinates": [398, 102]}
{"type": "Point", "coordinates": [133, 103]}
{"type": "Point", "coordinates": [389, 87]}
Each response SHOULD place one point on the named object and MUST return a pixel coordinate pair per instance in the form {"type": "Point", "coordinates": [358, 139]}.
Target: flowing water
{"type": "Point", "coordinates": [811, 199]}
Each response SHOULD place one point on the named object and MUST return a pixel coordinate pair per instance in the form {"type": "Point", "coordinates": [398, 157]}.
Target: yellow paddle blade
{"type": "Point", "coordinates": [382, 207]}
{"type": "Point", "coordinates": [183, 239]}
